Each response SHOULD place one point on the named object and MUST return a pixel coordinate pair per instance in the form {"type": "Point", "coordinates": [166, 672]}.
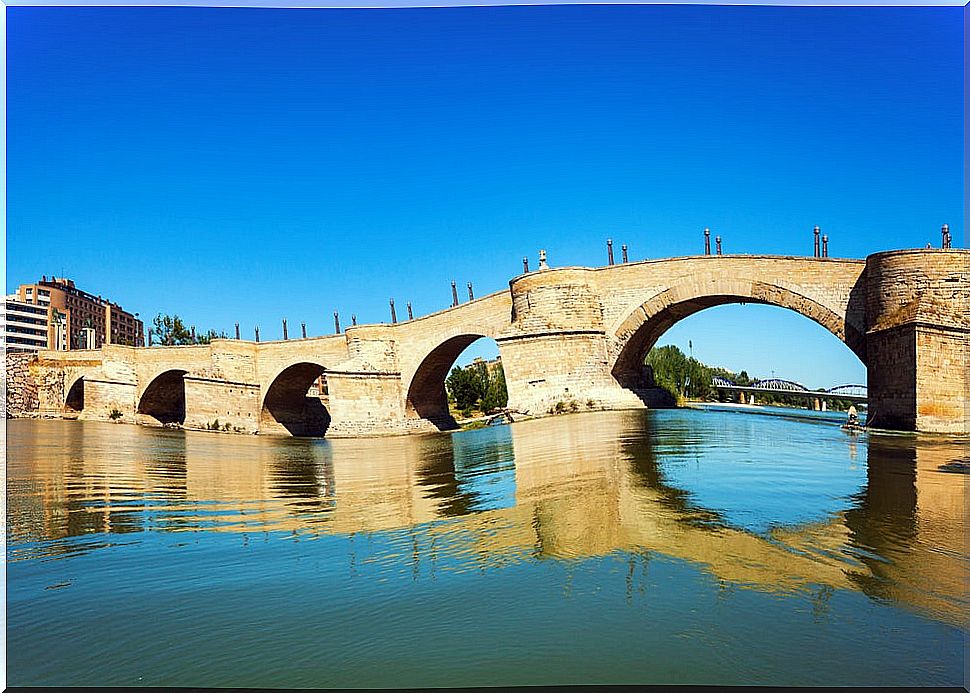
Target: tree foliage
{"type": "Point", "coordinates": [477, 387]}
{"type": "Point", "coordinates": [464, 386]}
{"type": "Point", "coordinates": [684, 376]}
{"type": "Point", "coordinates": [496, 394]}
{"type": "Point", "coordinates": [170, 330]}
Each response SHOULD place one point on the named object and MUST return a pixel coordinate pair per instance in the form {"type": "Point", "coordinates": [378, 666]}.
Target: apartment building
{"type": "Point", "coordinates": [23, 326]}
{"type": "Point", "coordinates": [77, 319]}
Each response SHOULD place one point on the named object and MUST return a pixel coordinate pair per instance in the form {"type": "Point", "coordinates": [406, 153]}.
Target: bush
{"type": "Point", "coordinates": [115, 415]}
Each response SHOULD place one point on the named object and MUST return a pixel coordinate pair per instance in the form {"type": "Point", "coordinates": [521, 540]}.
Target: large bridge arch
{"type": "Point", "coordinates": [287, 406]}
{"type": "Point", "coordinates": [163, 399]}
{"type": "Point", "coordinates": [633, 337]}
{"type": "Point", "coordinates": [424, 386]}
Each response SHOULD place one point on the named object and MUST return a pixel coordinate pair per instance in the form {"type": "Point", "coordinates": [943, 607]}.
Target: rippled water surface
{"type": "Point", "coordinates": [705, 547]}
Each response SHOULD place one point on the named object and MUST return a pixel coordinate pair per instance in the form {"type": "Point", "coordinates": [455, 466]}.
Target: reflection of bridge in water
{"type": "Point", "coordinates": [574, 487]}
{"type": "Point", "coordinates": [777, 386]}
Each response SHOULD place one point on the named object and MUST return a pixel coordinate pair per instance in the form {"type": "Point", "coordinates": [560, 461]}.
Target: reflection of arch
{"type": "Point", "coordinates": [302, 472]}
{"type": "Point", "coordinates": [436, 476]}
{"type": "Point", "coordinates": [643, 327]}
{"type": "Point", "coordinates": [287, 406]}
{"type": "Point", "coordinates": [164, 398]}
{"type": "Point", "coordinates": [74, 401]}
{"type": "Point", "coordinates": [426, 398]}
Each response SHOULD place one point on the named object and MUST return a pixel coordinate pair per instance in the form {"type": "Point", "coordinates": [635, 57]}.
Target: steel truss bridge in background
{"type": "Point", "coordinates": [777, 386]}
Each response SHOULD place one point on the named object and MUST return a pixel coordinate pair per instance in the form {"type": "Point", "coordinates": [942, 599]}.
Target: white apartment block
{"type": "Point", "coordinates": [23, 326]}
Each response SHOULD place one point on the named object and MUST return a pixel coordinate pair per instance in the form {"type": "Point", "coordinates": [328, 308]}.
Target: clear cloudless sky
{"type": "Point", "coordinates": [232, 164]}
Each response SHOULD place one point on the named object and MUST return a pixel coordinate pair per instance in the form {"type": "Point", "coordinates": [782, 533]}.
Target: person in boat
{"type": "Point", "coordinates": [853, 419]}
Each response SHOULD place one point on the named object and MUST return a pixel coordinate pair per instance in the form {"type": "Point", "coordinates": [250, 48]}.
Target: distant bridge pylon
{"type": "Point", "coordinates": [853, 393]}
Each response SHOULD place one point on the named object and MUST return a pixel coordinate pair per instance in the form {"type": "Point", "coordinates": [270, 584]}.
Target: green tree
{"type": "Point", "coordinates": [684, 376]}
{"type": "Point", "coordinates": [496, 394]}
{"type": "Point", "coordinates": [170, 330]}
{"type": "Point", "coordinates": [464, 387]}
{"type": "Point", "coordinates": [476, 386]}
{"type": "Point", "coordinates": [209, 336]}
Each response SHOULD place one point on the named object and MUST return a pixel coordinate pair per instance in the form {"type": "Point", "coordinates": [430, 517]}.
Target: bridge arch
{"type": "Point", "coordinates": [74, 399]}
{"type": "Point", "coordinates": [164, 397]}
{"type": "Point", "coordinates": [289, 405]}
{"type": "Point", "coordinates": [633, 337]}
{"type": "Point", "coordinates": [426, 397]}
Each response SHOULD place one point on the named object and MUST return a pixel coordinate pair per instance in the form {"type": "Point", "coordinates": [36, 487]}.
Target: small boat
{"type": "Point", "coordinates": [853, 427]}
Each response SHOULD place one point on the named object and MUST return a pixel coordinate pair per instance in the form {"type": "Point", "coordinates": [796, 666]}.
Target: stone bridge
{"type": "Point", "coordinates": [573, 335]}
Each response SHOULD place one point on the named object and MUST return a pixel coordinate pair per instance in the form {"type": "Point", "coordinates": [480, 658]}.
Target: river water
{"type": "Point", "coordinates": [650, 547]}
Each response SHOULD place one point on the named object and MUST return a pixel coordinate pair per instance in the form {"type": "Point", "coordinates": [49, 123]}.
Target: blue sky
{"type": "Point", "coordinates": [256, 164]}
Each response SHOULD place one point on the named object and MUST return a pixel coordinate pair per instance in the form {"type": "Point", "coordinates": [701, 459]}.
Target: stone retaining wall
{"type": "Point", "coordinates": [20, 388]}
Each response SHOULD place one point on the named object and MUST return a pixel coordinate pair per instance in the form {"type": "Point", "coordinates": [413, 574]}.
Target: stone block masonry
{"type": "Point", "coordinates": [917, 332]}
{"type": "Point", "coordinates": [20, 388]}
{"type": "Point", "coordinates": [567, 335]}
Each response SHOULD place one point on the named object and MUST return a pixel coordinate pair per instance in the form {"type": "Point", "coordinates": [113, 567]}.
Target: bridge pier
{"type": "Point", "coordinates": [367, 403]}
{"type": "Point", "coordinates": [365, 394]}
{"type": "Point", "coordinates": [557, 350]}
{"type": "Point", "coordinates": [918, 340]}
{"type": "Point", "coordinates": [109, 400]}
{"type": "Point", "coordinates": [217, 404]}
{"type": "Point", "coordinates": [542, 371]}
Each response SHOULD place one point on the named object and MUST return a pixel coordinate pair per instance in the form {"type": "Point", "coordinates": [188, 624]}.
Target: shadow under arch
{"type": "Point", "coordinates": [290, 408]}
{"type": "Point", "coordinates": [638, 333]}
{"type": "Point", "coordinates": [164, 398]}
{"type": "Point", "coordinates": [426, 397]}
{"type": "Point", "coordinates": [74, 401]}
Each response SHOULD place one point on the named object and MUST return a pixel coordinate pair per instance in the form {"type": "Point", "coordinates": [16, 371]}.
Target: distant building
{"type": "Point", "coordinates": [24, 326]}
{"type": "Point", "coordinates": [492, 365]}
{"type": "Point", "coordinates": [79, 320]}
